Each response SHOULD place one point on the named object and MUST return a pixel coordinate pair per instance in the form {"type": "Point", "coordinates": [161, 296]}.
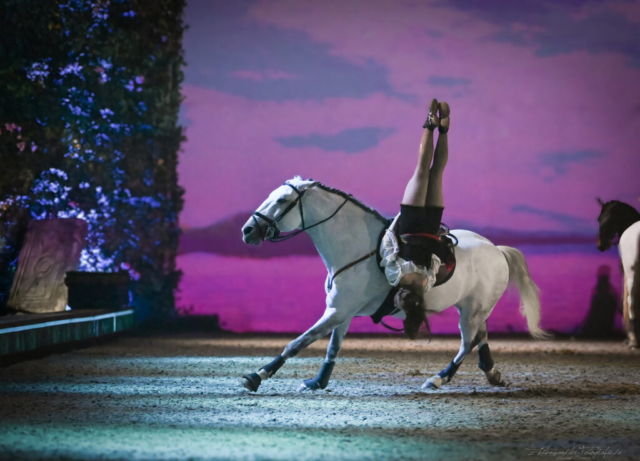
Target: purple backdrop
{"type": "Point", "coordinates": [545, 117]}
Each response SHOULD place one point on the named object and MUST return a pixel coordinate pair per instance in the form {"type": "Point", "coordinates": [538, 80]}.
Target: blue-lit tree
{"type": "Point", "coordinates": [88, 124]}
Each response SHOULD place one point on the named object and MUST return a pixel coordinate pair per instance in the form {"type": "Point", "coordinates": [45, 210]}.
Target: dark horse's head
{"type": "Point", "coordinates": [615, 217]}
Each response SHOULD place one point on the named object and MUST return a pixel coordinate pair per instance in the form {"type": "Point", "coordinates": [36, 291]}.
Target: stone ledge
{"type": "Point", "coordinates": [32, 332]}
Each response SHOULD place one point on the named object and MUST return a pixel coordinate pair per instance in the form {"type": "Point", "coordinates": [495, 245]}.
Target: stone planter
{"type": "Point", "coordinates": [98, 290]}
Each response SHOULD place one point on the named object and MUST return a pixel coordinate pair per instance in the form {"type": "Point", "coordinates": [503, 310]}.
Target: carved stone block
{"type": "Point", "coordinates": [51, 248]}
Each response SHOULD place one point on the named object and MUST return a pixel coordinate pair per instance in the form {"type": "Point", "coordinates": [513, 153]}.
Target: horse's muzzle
{"type": "Point", "coordinates": [251, 235]}
{"type": "Point", "coordinates": [603, 246]}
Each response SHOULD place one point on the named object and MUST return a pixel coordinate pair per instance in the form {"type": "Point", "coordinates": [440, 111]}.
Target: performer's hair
{"type": "Point", "coordinates": [411, 301]}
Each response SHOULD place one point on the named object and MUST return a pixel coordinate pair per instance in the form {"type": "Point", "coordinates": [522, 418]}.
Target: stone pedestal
{"type": "Point", "coordinates": [52, 248]}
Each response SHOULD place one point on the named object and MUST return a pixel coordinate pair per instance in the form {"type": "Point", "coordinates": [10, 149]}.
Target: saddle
{"type": "Point", "coordinates": [418, 248]}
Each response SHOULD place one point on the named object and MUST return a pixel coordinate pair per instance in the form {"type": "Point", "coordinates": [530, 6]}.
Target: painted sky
{"type": "Point", "coordinates": [545, 100]}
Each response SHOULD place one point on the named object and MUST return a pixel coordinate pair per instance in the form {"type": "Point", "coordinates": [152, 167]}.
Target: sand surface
{"type": "Point", "coordinates": [179, 397]}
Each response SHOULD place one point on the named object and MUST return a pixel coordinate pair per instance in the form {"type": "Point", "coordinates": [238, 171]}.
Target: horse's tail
{"type": "Point", "coordinates": [529, 299]}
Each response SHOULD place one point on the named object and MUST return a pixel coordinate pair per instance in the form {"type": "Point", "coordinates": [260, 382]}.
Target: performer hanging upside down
{"type": "Point", "coordinates": [410, 263]}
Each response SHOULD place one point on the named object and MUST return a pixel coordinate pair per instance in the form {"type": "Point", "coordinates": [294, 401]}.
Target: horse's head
{"type": "Point", "coordinates": [608, 224]}
{"type": "Point", "coordinates": [281, 212]}
{"type": "Point", "coordinates": [615, 218]}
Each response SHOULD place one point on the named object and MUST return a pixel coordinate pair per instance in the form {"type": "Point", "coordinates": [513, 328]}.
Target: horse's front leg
{"type": "Point", "coordinates": [327, 323]}
{"type": "Point", "coordinates": [321, 380]}
{"type": "Point", "coordinates": [469, 326]}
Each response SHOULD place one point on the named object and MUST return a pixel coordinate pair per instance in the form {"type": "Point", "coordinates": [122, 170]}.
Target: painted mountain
{"type": "Point", "coordinates": [225, 238]}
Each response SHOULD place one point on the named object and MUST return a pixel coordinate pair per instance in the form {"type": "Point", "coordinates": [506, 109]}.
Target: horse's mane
{"type": "Point", "coordinates": [624, 206]}
{"type": "Point", "coordinates": [353, 200]}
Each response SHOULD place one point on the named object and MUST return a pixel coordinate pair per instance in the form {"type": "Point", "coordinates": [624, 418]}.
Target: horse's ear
{"type": "Point", "coordinates": [600, 202]}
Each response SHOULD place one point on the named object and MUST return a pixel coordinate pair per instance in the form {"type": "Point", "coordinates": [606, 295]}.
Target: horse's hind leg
{"type": "Point", "coordinates": [329, 321]}
{"type": "Point", "coordinates": [469, 325]}
{"type": "Point", "coordinates": [486, 363]}
{"type": "Point", "coordinates": [633, 305]}
{"type": "Point", "coordinates": [630, 254]}
{"type": "Point", "coordinates": [321, 380]}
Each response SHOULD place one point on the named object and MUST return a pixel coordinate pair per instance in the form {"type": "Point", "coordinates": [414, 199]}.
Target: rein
{"type": "Point", "coordinates": [401, 330]}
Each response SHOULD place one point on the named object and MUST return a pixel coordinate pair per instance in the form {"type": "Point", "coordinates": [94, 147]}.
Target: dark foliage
{"type": "Point", "coordinates": [88, 119]}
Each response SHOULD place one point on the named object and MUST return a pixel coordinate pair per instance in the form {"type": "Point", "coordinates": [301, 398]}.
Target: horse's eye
{"type": "Point", "coordinates": [281, 200]}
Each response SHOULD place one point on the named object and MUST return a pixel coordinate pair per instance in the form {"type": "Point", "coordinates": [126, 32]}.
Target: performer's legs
{"type": "Point", "coordinates": [434, 189]}
{"type": "Point", "coordinates": [424, 189]}
{"type": "Point", "coordinates": [416, 189]}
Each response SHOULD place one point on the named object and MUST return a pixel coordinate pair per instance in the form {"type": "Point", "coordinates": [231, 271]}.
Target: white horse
{"type": "Point", "coordinates": [345, 231]}
{"type": "Point", "coordinates": [617, 219]}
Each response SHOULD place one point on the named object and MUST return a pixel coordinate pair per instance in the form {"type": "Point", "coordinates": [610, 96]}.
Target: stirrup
{"type": "Point", "coordinates": [432, 119]}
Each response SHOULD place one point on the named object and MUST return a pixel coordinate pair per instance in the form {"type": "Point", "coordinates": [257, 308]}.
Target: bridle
{"type": "Point", "coordinates": [272, 233]}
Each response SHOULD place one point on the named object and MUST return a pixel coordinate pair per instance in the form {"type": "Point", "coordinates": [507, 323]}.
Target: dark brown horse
{"type": "Point", "coordinates": [620, 225]}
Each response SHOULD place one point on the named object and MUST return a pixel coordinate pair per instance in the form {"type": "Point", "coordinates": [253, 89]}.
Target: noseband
{"type": "Point", "coordinates": [272, 233]}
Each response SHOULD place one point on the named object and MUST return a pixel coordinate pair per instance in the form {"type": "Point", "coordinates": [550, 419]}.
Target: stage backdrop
{"type": "Point", "coordinates": [545, 117]}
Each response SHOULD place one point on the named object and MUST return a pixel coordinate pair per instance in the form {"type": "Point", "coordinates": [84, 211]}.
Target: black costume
{"type": "Point", "coordinates": [418, 228]}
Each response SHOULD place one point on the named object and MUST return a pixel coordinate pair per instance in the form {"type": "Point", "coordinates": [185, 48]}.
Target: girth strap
{"type": "Point", "coordinates": [349, 266]}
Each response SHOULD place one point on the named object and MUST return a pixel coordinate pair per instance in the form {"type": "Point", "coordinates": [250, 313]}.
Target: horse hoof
{"type": "Point", "coordinates": [251, 381]}
{"type": "Point", "coordinates": [493, 377]}
{"type": "Point", "coordinates": [312, 384]}
{"type": "Point", "coordinates": [433, 383]}
{"type": "Point", "coordinates": [303, 387]}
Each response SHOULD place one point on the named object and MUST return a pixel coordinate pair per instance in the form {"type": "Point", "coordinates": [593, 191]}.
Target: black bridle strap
{"type": "Point", "coordinates": [299, 200]}
{"type": "Point", "coordinates": [262, 234]}
{"type": "Point", "coordinates": [272, 223]}
{"type": "Point", "coordinates": [299, 231]}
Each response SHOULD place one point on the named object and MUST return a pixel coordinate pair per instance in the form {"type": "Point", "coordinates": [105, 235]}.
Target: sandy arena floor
{"type": "Point", "coordinates": [179, 397]}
